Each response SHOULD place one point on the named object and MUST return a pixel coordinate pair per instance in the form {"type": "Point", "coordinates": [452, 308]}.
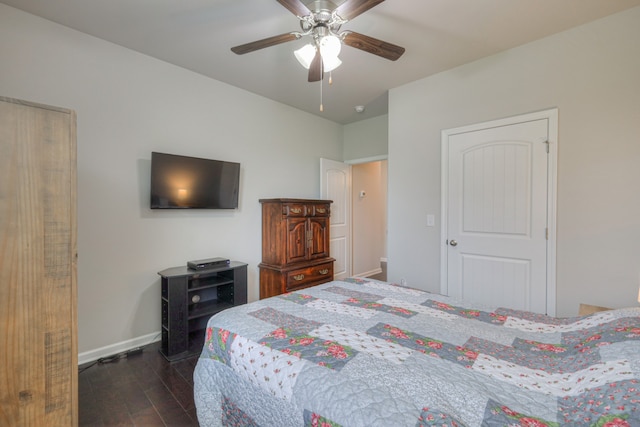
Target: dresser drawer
{"type": "Point", "coordinates": [305, 210]}
{"type": "Point", "coordinates": [321, 210]}
{"type": "Point", "coordinates": [309, 276]}
{"type": "Point", "coordinates": [296, 209]}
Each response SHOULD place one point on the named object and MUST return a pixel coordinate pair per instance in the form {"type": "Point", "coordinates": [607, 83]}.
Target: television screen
{"type": "Point", "coordinates": [180, 182]}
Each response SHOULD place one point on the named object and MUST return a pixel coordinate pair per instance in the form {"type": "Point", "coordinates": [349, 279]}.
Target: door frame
{"type": "Point", "coordinates": [551, 115]}
{"type": "Point", "coordinates": [350, 190]}
{"type": "Point", "coordinates": [362, 161]}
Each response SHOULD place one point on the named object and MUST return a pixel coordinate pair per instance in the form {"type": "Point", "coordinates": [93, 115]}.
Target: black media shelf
{"type": "Point", "coordinates": [209, 309]}
{"type": "Point", "coordinates": [190, 297]}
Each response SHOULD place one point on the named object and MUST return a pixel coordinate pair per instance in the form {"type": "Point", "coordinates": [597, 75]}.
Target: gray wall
{"type": "Point", "coordinates": [590, 74]}
{"type": "Point", "coordinates": [365, 143]}
{"type": "Point", "coordinates": [366, 139]}
{"type": "Point", "coordinates": [128, 105]}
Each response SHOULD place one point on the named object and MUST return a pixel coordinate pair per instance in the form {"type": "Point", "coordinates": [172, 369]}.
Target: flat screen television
{"type": "Point", "coordinates": [181, 182]}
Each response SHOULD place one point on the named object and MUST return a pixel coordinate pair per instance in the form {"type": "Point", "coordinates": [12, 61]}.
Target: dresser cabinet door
{"type": "Point", "coordinates": [319, 237]}
{"type": "Point", "coordinates": [296, 239]}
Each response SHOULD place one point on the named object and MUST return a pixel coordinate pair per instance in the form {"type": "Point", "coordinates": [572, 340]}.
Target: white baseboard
{"type": "Point", "coordinates": [384, 259]}
{"type": "Point", "coordinates": [110, 350]}
{"type": "Point", "coordinates": [369, 273]}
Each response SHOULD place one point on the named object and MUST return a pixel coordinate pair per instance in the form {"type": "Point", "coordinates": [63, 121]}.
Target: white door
{"type": "Point", "coordinates": [335, 184]}
{"type": "Point", "coordinates": [497, 214]}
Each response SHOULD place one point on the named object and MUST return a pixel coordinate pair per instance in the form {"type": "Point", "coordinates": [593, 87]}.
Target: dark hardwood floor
{"type": "Point", "coordinates": [382, 275]}
{"type": "Point", "coordinates": [141, 390]}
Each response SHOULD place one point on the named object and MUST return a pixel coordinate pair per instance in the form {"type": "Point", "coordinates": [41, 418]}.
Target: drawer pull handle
{"type": "Point", "coordinates": [321, 210]}
{"type": "Point", "coordinates": [323, 271]}
{"type": "Point", "coordinates": [296, 210]}
{"type": "Point", "coordinates": [298, 277]}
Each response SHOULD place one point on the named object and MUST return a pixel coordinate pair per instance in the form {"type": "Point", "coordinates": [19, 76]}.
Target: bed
{"type": "Point", "coordinates": [362, 352]}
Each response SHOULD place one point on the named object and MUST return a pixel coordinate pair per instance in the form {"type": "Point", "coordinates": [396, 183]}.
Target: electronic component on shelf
{"type": "Point", "coordinates": [205, 264]}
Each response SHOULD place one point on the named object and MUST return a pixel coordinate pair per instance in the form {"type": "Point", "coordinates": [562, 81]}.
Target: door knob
{"type": "Point", "coordinates": [453, 243]}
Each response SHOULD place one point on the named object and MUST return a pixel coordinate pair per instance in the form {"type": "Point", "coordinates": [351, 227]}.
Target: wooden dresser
{"type": "Point", "coordinates": [38, 350]}
{"type": "Point", "coordinates": [295, 245]}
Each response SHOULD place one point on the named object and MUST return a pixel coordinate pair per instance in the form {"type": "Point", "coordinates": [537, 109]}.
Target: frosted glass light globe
{"type": "Point", "coordinates": [305, 55]}
{"type": "Point", "coordinates": [330, 46]}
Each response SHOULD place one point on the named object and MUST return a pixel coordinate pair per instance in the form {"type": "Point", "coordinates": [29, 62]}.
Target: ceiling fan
{"type": "Point", "coordinates": [321, 20]}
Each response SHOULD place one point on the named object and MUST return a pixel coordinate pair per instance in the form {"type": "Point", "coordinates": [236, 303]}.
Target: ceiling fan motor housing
{"type": "Point", "coordinates": [317, 23]}
{"type": "Point", "coordinates": [317, 6]}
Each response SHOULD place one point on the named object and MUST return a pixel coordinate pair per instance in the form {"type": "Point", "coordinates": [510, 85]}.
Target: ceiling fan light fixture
{"type": "Point", "coordinates": [305, 55]}
{"type": "Point", "coordinates": [330, 46]}
{"type": "Point", "coordinates": [321, 20]}
{"type": "Point", "coordinates": [330, 63]}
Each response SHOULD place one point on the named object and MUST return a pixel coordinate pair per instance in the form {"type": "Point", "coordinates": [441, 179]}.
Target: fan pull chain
{"type": "Point", "coordinates": [321, 106]}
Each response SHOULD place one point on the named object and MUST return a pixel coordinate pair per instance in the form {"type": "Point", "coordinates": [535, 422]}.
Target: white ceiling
{"type": "Point", "coordinates": [437, 35]}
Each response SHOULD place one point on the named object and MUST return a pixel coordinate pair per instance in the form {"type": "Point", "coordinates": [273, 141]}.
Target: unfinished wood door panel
{"type": "Point", "coordinates": [38, 367]}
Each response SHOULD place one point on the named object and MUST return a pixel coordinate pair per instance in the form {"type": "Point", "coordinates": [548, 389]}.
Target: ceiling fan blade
{"type": "Point", "coordinates": [295, 6]}
{"type": "Point", "coordinates": [315, 69]}
{"type": "Point", "coordinates": [377, 47]}
{"type": "Point", "coordinates": [352, 8]}
{"type": "Point", "coordinates": [261, 44]}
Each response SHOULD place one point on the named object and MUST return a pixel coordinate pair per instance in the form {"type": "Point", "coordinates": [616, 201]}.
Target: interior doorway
{"type": "Point", "coordinates": [358, 215]}
{"type": "Point", "coordinates": [369, 219]}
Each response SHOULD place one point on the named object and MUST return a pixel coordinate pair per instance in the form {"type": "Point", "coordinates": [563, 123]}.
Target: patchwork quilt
{"type": "Point", "coordinates": [362, 352]}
